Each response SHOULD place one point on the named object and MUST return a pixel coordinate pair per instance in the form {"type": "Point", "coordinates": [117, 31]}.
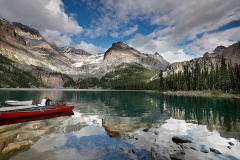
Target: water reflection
{"type": "Point", "coordinates": [117, 124]}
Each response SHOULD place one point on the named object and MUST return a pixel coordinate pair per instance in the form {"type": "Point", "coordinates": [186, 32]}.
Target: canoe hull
{"type": "Point", "coordinates": [15, 120]}
{"type": "Point", "coordinates": [37, 112]}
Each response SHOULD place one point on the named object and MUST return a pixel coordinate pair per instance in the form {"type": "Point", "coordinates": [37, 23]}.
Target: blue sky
{"type": "Point", "coordinates": [177, 29]}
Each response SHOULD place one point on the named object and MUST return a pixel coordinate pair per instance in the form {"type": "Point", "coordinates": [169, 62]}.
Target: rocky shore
{"type": "Point", "coordinates": [202, 94]}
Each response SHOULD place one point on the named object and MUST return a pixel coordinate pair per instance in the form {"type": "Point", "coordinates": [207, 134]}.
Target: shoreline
{"type": "Point", "coordinates": [212, 94]}
{"type": "Point", "coordinates": [205, 93]}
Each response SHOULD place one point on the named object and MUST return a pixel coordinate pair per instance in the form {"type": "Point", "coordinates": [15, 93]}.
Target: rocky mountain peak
{"type": "Point", "coordinates": [68, 50]}
{"type": "Point", "coordinates": [206, 54]}
{"type": "Point", "coordinates": [122, 53]}
{"type": "Point", "coordinates": [121, 49]}
{"type": "Point", "coordinates": [120, 45]}
{"type": "Point", "coordinates": [232, 53]}
{"type": "Point", "coordinates": [156, 54]}
{"type": "Point", "coordinates": [26, 28]}
{"type": "Point", "coordinates": [219, 49]}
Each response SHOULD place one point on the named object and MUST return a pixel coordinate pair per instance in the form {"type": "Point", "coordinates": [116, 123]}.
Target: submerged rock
{"type": "Point", "coordinates": [204, 149]}
{"type": "Point", "coordinates": [153, 153]}
{"type": "Point", "coordinates": [145, 130]}
{"type": "Point", "coordinates": [16, 146]}
{"type": "Point", "coordinates": [178, 139]}
{"type": "Point", "coordinates": [156, 132]}
{"type": "Point", "coordinates": [215, 151]}
{"type": "Point", "coordinates": [230, 143]}
{"type": "Point", "coordinates": [178, 155]}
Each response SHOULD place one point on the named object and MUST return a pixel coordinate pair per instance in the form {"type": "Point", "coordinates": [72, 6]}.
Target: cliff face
{"type": "Point", "coordinates": [8, 33]}
{"type": "Point", "coordinates": [233, 53]}
{"type": "Point", "coordinates": [26, 45]}
{"type": "Point", "coordinates": [219, 49]}
{"type": "Point", "coordinates": [34, 39]}
{"type": "Point", "coordinates": [28, 51]}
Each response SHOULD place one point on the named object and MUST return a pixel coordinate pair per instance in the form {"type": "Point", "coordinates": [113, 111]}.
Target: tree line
{"type": "Point", "coordinates": [224, 77]}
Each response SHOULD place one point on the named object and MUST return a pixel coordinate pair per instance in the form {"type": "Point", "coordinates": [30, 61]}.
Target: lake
{"type": "Point", "coordinates": [123, 125]}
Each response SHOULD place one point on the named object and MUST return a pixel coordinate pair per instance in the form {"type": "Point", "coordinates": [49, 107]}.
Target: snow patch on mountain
{"type": "Point", "coordinates": [81, 60]}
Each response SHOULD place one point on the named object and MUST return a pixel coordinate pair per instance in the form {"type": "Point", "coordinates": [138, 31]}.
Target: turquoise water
{"type": "Point", "coordinates": [110, 125]}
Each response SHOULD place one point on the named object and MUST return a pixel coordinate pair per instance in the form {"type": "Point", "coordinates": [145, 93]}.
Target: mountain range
{"type": "Point", "coordinates": [59, 67]}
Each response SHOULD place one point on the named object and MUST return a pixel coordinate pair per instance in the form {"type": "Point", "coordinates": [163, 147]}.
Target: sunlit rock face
{"type": "Point", "coordinates": [8, 33]}
{"type": "Point", "coordinates": [122, 53]}
{"type": "Point", "coordinates": [34, 39]}
{"type": "Point", "coordinates": [26, 46]}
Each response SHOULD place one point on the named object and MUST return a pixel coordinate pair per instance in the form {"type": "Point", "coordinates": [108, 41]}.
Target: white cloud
{"type": "Point", "coordinates": [43, 15]}
{"type": "Point", "coordinates": [178, 22]}
{"type": "Point", "coordinates": [130, 31]}
{"type": "Point", "coordinates": [177, 56]}
{"type": "Point", "coordinates": [91, 48]}
{"type": "Point", "coordinates": [150, 44]}
{"type": "Point", "coordinates": [173, 22]}
{"type": "Point", "coordinates": [209, 41]}
{"type": "Point", "coordinates": [127, 32]}
{"type": "Point", "coordinates": [114, 34]}
{"type": "Point", "coordinates": [58, 38]}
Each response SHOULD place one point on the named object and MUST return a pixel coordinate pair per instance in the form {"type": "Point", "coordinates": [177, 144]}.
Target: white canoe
{"type": "Point", "coordinates": [2, 109]}
{"type": "Point", "coordinates": [19, 103]}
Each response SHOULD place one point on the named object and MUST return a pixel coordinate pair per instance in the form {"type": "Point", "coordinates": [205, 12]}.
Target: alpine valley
{"type": "Point", "coordinates": [28, 60]}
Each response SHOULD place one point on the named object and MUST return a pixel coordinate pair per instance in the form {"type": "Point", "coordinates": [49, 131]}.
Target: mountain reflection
{"type": "Point", "coordinates": [122, 123]}
{"type": "Point", "coordinates": [130, 110]}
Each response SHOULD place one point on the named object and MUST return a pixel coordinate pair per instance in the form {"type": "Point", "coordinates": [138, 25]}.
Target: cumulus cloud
{"type": "Point", "coordinates": [177, 56]}
{"type": "Point", "coordinates": [209, 41]}
{"type": "Point", "coordinates": [114, 34]}
{"type": "Point", "coordinates": [130, 31]}
{"type": "Point", "coordinates": [43, 15]}
{"type": "Point", "coordinates": [57, 37]}
{"type": "Point", "coordinates": [91, 48]}
{"type": "Point", "coordinates": [150, 44]}
{"type": "Point", "coordinates": [177, 22]}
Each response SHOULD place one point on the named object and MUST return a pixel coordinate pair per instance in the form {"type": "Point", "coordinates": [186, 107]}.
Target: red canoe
{"type": "Point", "coordinates": [8, 121]}
{"type": "Point", "coordinates": [35, 111]}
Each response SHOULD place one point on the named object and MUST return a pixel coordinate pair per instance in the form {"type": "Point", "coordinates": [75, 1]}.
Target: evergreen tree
{"type": "Point", "coordinates": [217, 76]}
{"type": "Point", "coordinates": [211, 79]}
{"type": "Point", "coordinates": [161, 80]}
{"type": "Point", "coordinates": [237, 72]}
{"type": "Point", "coordinates": [197, 76]}
{"type": "Point", "coordinates": [224, 76]}
{"type": "Point", "coordinates": [186, 78]}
